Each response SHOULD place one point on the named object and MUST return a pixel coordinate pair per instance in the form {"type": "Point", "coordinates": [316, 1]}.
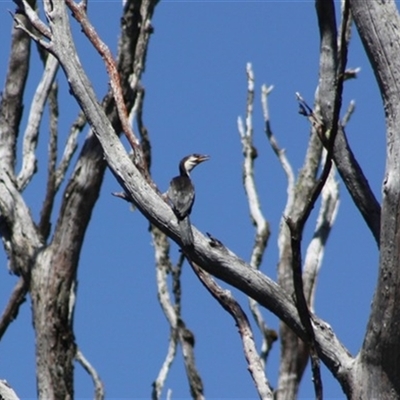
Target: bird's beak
{"type": "Point", "coordinates": [203, 158]}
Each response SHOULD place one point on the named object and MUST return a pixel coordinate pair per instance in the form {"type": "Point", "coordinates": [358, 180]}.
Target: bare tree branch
{"type": "Point", "coordinates": [19, 233]}
{"type": "Point", "coordinates": [18, 296]}
{"type": "Point", "coordinates": [7, 392]}
{"type": "Point", "coordinates": [11, 101]}
{"type": "Point", "coordinates": [228, 302]}
{"type": "Point", "coordinates": [144, 134]}
{"type": "Point", "coordinates": [331, 74]}
{"type": "Point", "coordinates": [51, 189]}
{"type": "Point", "coordinates": [163, 268]}
{"type": "Point", "coordinates": [294, 352]}
{"type": "Point", "coordinates": [69, 149]}
{"type": "Point", "coordinates": [159, 383]}
{"type": "Point", "coordinates": [187, 341]}
{"type": "Point", "coordinates": [332, 68]}
{"type": "Point", "coordinates": [79, 12]}
{"type": "Point", "coordinates": [256, 215]}
{"type": "Point", "coordinates": [349, 112]}
{"type": "Point", "coordinates": [32, 128]}
{"type": "Point", "coordinates": [39, 25]}
{"type": "Point", "coordinates": [315, 250]}
{"type": "Point", "coordinates": [99, 393]}
{"type": "Point", "coordinates": [280, 153]}
{"type": "Point", "coordinates": [179, 331]}
{"type": "Point", "coordinates": [250, 153]}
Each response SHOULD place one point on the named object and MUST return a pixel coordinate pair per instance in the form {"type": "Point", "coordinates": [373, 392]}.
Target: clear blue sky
{"type": "Point", "coordinates": [196, 88]}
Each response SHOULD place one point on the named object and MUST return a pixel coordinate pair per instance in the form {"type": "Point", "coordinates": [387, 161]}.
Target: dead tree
{"type": "Point", "coordinates": [47, 264]}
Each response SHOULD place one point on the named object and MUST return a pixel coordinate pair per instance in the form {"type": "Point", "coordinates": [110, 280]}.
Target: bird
{"type": "Point", "coordinates": [181, 195]}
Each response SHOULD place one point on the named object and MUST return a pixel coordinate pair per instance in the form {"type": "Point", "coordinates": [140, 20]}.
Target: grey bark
{"type": "Point", "coordinates": [378, 362]}
{"type": "Point", "coordinates": [50, 267]}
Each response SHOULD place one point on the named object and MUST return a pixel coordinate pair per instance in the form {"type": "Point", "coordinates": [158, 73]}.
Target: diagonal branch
{"type": "Point", "coordinates": [18, 296]}
{"type": "Point", "coordinates": [98, 384]}
{"type": "Point", "coordinates": [35, 21]}
{"type": "Point", "coordinates": [357, 184]}
{"type": "Point", "coordinates": [228, 302]}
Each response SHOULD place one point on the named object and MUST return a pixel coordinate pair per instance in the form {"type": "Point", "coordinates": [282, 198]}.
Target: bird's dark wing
{"type": "Point", "coordinates": [181, 195]}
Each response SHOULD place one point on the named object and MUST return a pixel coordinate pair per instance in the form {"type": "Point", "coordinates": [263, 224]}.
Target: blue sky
{"type": "Point", "coordinates": [195, 84]}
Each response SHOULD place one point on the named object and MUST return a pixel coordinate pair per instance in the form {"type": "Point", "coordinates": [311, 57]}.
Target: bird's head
{"type": "Point", "coordinates": [189, 162]}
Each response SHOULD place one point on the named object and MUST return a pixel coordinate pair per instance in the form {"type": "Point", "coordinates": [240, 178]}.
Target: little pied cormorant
{"type": "Point", "coordinates": [181, 196]}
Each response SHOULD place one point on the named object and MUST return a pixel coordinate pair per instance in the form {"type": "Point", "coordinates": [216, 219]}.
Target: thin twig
{"type": "Point", "coordinates": [349, 112]}
{"type": "Point", "coordinates": [144, 133]}
{"type": "Point", "coordinates": [159, 382]}
{"type": "Point", "coordinates": [280, 153]}
{"type": "Point", "coordinates": [99, 392]}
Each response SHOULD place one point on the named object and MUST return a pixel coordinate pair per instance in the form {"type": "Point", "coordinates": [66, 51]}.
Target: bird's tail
{"type": "Point", "coordinates": [186, 232]}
